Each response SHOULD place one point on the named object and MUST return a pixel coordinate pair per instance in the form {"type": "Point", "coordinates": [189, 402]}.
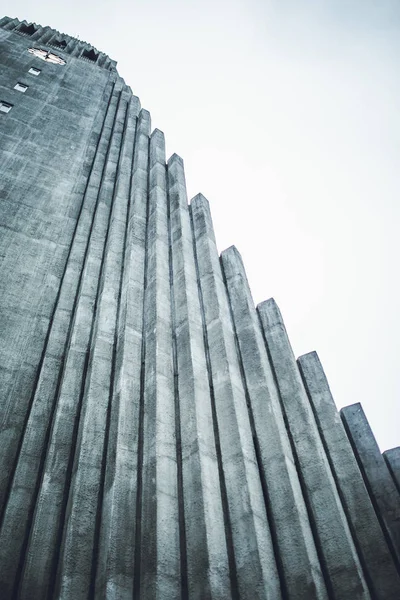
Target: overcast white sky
{"type": "Point", "coordinates": [286, 113]}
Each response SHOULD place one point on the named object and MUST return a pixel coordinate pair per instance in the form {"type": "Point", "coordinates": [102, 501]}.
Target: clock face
{"type": "Point", "coordinates": [47, 56]}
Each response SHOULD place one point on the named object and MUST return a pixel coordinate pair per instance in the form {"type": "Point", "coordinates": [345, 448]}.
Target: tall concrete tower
{"type": "Point", "coordinates": [158, 438]}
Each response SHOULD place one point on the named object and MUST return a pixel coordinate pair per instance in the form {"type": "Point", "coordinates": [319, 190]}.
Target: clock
{"type": "Point", "coordinates": [47, 56]}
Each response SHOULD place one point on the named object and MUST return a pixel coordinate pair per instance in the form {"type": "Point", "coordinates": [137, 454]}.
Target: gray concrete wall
{"type": "Point", "coordinates": [338, 554]}
{"type": "Point", "coordinates": [392, 458]}
{"type": "Point", "coordinates": [378, 480]}
{"type": "Point", "coordinates": [156, 437]}
{"type": "Point", "coordinates": [293, 535]}
{"type": "Point", "coordinates": [374, 553]}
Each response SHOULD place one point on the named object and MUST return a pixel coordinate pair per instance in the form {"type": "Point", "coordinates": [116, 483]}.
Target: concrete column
{"type": "Point", "coordinates": [301, 570]}
{"type": "Point", "coordinates": [257, 573]}
{"type": "Point", "coordinates": [119, 519]}
{"type": "Point", "coordinates": [4, 21]}
{"type": "Point", "coordinates": [206, 551]}
{"type": "Point", "coordinates": [44, 541]}
{"type": "Point", "coordinates": [80, 537]}
{"type": "Point", "coordinates": [392, 458]}
{"type": "Point", "coordinates": [44, 36]}
{"type": "Point", "coordinates": [342, 569]}
{"type": "Point", "coordinates": [12, 24]}
{"type": "Point", "coordinates": [160, 544]}
{"type": "Point", "coordinates": [377, 477]}
{"type": "Point", "coordinates": [18, 490]}
{"type": "Point", "coordinates": [371, 544]}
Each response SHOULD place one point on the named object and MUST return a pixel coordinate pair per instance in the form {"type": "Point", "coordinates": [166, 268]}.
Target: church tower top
{"type": "Point", "coordinates": [47, 39]}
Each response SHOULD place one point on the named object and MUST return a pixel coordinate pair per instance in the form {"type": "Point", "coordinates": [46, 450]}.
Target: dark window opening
{"type": "Point", "coordinates": [5, 107]}
{"type": "Point", "coordinates": [59, 44]}
{"type": "Point", "coordinates": [27, 29]}
{"type": "Point", "coordinates": [90, 55]}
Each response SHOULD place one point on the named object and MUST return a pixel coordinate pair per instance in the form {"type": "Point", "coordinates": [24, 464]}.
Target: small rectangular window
{"type": "Point", "coordinates": [5, 107]}
{"type": "Point", "coordinates": [21, 87]}
{"type": "Point", "coordinates": [34, 71]}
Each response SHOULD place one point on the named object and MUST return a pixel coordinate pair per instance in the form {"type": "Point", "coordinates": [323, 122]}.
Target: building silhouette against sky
{"type": "Point", "coordinates": [158, 438]}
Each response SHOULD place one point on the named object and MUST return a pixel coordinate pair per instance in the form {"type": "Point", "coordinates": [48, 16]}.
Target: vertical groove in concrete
{"type": "Point", "coordinates": [44, 540]}
{"type": "Point", "coordinates": [75, 564]}
{"type": "Point", "coordinates": [294, 538]}
{"type": "Point", "coordinates": [338, 552]}
{"type": "Point", "coordinates": [115, 571]}
{"type": "Point", "coordinates": [392, 458]}
{"type": "Point", "coordinates": [18, 402]}
{"type": "Point", "coordinates": [207, 561]}
{"type": "Point", "coordinates": [160, 551]}
{"type": "Point", "coordinates": [124, 184]}
{"type": "Point", "coordinates": [150, 445]}
{"type": "Point", "coordinates": [370, 542]}
{"type": "Point", "coordinates": [29, 460]}
{"type": "Point", "coordinates": [254, 553]}
{"type": "Point", "coordinates": [381, 487]}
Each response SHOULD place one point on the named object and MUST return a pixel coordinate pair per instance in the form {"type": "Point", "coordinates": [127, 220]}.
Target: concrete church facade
{"type": "Point", "coordinates": [158, 438]}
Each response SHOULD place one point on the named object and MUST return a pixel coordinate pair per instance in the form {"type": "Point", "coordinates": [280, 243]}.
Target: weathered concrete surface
{"type": "Point", "coordinates": [44, 541]}
{"type": "Point", "coordinates": [80, 527]}
{"type": "Point", "coordinates": [117, 549]}
{"type": "Point", "coordinates": [392, 458]}
{"type": "Point", "coordinates": [378, 480]}
{"type": "Point", "coordinates": [293, 536]}
{"type": "Point", "coordinates": [148, 448]}
{"type": "Point", "coordinates": [371, 544]}
{"type": "Point", "coordinates": [206, 548]}
{"type": "Point", "coordinates": [160, 547]}
{"type": "Point", "coordinates": [22, 493]}
{"type": "Point", "coordinates": [337, 551]}
{"type": "Point", "coordinates": [257, 574]}
{"type": "Point", "coordinates": [46, 143]}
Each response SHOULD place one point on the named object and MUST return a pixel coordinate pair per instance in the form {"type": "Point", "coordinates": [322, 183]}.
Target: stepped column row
{"type": "Point", "coordinates": [174, 448]}
{"type": "Point", "coordinates": [76, 556]}
{"type": "Point", "coordinates": [207, 559]}
{"type": "Point", "coordinates": [290, 523]}
{"type": "Point", "coordinates": [368, 536]}
{"type": "Point", "coordinates": [120, 519]}
{"type": "Point", "coordinates": [256, 570]}
{"type": "Point", "coordinates": [51, 504]}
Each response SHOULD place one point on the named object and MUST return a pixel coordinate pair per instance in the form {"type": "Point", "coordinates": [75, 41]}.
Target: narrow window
{"type": "Point", "coordinates": [90, 55]}
{"type": "Point", "coordinates": [27, 29]}
{"type": "Point", "coordinates": [34, 71]}
{"type": "Point", "coordinates": [59, 44]}
{"type": "Point", "coordinates": [21, 87]}
{"type": "Point", "coordinates": [5, 107]}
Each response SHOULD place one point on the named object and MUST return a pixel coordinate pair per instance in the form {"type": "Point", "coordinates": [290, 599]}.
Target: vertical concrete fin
{"type": "Point", "coordinates": [207, 570]}
{"type": "Point", "coordinates": [253, 547]}
{"type": "Point", "coordinates": [45, 35]}
{"type": "Point", "coordinates": [377, 477]}
{"type": "Point", "coordinates": [298, 560]}
{"type": "Point", "coordinates": [117, 545]}
{"type": "Point", "coordinates": [44, 542]}
{"type": "Point", "coordinates": [12, 24]}
{"type": "Point", "coordinates": [140, 197]}
{"type": "Point", "coordinates": [160, 547]}
{"type": "Point", "coordinates": [392, 458]}
{"type": "Point", "coordinates": [4, 21]}
{"type": "Point", "coordinates": [368, 536]}
{"type": "Point", "coordinates": [343, 572]}
{"type": "Point", "coordinates": [80, 530]}
{"type": "Point", "coordinates": [19, 497]}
